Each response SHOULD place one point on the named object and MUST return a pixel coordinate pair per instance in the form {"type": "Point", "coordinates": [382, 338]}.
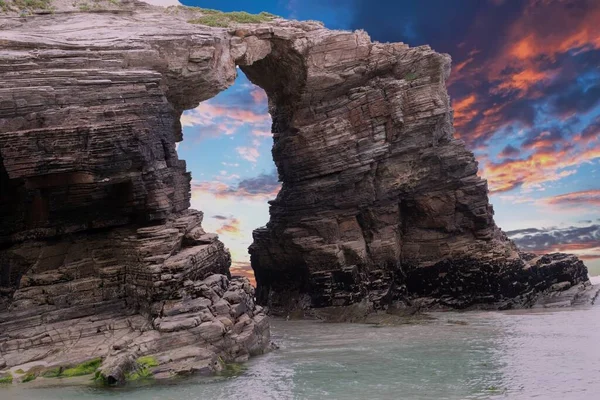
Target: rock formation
{"type": "Point", "coordinates": [379, 202]}
{"type": "Point", "coordinates": [100, 255]}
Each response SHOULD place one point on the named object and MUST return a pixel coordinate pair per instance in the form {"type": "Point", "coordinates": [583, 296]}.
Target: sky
{"type": "Point", "coordinates": [525, 88]}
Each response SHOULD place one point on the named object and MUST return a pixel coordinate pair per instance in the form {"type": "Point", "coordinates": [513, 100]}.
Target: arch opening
{"type": "Point", "coordinates": [227, 142]}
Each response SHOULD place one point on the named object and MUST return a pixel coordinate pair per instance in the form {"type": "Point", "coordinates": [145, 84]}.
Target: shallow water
{"type": "Point", "coordinates": [475, 355]}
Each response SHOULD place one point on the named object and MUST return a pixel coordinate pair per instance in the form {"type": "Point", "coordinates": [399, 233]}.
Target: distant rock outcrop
{"type": "Point", "coordinates": [100, 256]}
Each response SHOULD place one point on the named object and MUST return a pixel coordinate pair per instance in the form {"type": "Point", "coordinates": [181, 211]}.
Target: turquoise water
{"type": "Point", "coordinates": [475, 355]}
{"type": "Point", "coordinates": [542, 355]}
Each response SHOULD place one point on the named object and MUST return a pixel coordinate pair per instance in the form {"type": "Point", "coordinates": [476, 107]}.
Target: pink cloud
{"type": "Point", "coordinates": [589, 197]}
{"type": "Point", "coordinates": [263, 187]}
{"type": "Point", "coordinates": [207, 112]}
{"type": "Point", "coordinates": [258, 95]}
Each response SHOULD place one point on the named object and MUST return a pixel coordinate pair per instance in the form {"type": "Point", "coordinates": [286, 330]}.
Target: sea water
{"type": "Point", "coordinates": [532, 354]}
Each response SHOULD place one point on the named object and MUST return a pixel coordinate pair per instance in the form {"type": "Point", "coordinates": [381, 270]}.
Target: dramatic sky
{"type": "Point", "coordinates": [525, 87]}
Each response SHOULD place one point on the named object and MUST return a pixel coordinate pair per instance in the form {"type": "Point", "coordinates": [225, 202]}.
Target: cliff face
{"type": "Point", "coordinates": [379, 202]}
{"type": "Point", "coordinates": [99, 254]}
{"type": "Point", "coordinates": [374, 184]}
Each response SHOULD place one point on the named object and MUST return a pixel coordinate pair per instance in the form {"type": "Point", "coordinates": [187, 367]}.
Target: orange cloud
{"type": "Point", "coordinates": [523, 49]}
{"type": "Point", "coordinates": [245, 116]}
{"type": "Point", "coordinates": [213, 187]}
{"type": "Point", "coordinates": [589, 197]}
{"type": "Point", "coordinates": [464, 110]}
{"type": "Point", "coordinates": [570, 247]}
{"type": "Point", "coordinates": [577, 30]}
{"type": "Point", "coordinates": [533, 40]}
{"type": "Point", "coordinates": [487, 122]}
{"type": "Point", "coordinates": [588, 251]}
{"type": "Point", "coordinates": [544, 166]}
{"type": "Point", "coordinates": [505, 82]}
{"type": "Point", "coordinates": [560, 29]}
{"type": "Point", "coordinates": [243, 268]}
{"type": "Point", "coordinates": [525, 79]}
{"type": "Point", "coordinates": [232, 227]}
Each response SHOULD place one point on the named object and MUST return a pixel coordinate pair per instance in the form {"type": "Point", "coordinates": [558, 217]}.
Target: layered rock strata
{"type": "Point", "coordinates": [380, 202]}
{"type": "Point", "coordinates": [159, 291]}
{"type": "Point", "coordinates": [100, 256]}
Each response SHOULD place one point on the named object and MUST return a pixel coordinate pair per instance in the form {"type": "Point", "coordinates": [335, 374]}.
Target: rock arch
{"type": "Point", "coordinates": [374, 183]}
{"type": "Point", "coordinates": [379, 201]}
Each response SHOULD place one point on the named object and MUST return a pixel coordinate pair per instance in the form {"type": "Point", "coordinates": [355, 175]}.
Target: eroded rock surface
{"type": "Point", "coordinates": [380, 204]}
{"type": "Point", "coordinates": [125, 293]}
{"type": "Point", "coordinates": [99, 255]}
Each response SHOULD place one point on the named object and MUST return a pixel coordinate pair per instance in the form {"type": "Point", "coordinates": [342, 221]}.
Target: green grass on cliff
{"type": "Point", "coordinates": [222, 19]}
{"type": "Point", "coordinates": [26, 6]}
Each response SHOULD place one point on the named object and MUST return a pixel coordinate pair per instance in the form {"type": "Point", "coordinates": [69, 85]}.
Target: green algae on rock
{"type": "Point", "coordinates": [52, 372]}
{"type": "Point", "coordinates": [148, 361]}
{"type": "Point", "coordinates": [85, 368]}
{"type": "Point", "coordinates": [231, 370]}
{"type": "Point", "coordinates": [142, 373]}
{"type": "Point", "coordinates": [6, 379]}
{"type": "Point", "coordinates": [142, 369]}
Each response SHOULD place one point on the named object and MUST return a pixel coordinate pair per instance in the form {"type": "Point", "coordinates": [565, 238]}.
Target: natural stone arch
{"type": "Point", "coordinates": [375, 186]}
{"type": "Point", "coordinates": [379, 201]}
